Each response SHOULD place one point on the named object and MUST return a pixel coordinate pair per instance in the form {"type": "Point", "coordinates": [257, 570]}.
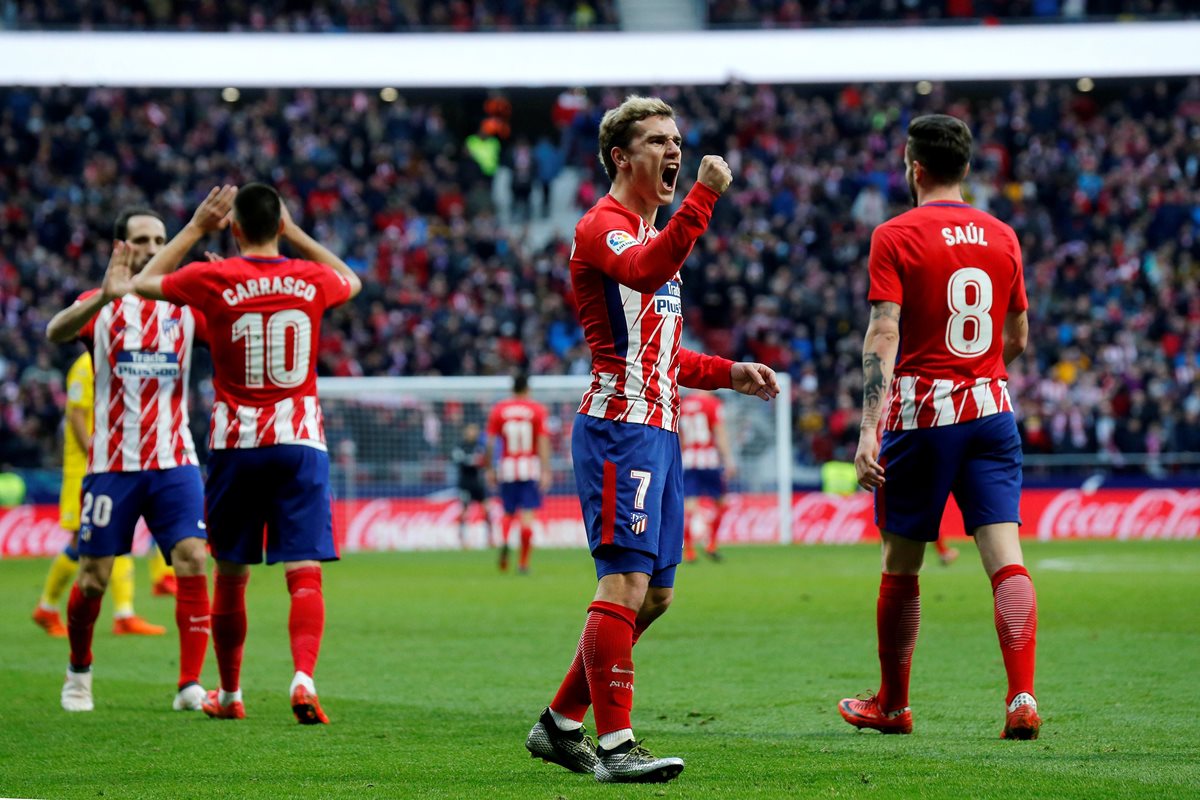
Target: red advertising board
{"type": "Point", "coordinates": [420, 524]}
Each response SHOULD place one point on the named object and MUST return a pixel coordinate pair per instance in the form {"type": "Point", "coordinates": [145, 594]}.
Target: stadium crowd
{"type": "Point", "coordinates": [330, 16]}
{"type": "Point", "coordinates": [1104, 195]}
{"type": "Point", "coordinates": [805, 13]}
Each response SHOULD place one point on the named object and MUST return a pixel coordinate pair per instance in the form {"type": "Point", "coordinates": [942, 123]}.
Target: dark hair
{"type": "Point", "coordinates": [121, 226]}
{"type": "Point", "coordinates": [257, 211]}
{"type": "Point", "coordinates": [520, 382]}
{"type": "Point", "coordinates": [942, 145]}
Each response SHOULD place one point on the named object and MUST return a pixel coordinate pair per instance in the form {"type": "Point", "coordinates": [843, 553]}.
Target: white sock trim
{"type": "Point", "coordinates": [610, 740]}
{"type": "Point", "coordinates": [565, 723]}
{"type": "Point", "coordinates": [225, 698]}
{"type": "Point", "coordinates": [302, 679]}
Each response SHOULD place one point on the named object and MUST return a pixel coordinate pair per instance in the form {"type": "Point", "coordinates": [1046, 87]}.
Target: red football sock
{"type": "Point", "coordinates": [715, 529]}
{"type": "Point", "coordinates": [897, 620]}
{"type": "Point", "coordinates": [526, 546]}
{"type": "Point", "coordinates": [1016, 624]}
{"type": "Point", "coordinates": [689, 548]}
{"type": "Point", "coordinates": [82, 612]}
{"type": "Point", "coordinates": [573, 697]}
{"type": "Point", "coordinates": [192, 618]}
{"type": "Point", "coordinates": [639, 628]}
{"type": "Point", "coordinates": [229, 627]}
{"type": "Point", "coordinates": [608, 658]}
{"type": "Point", "coordinates": [306, 622]}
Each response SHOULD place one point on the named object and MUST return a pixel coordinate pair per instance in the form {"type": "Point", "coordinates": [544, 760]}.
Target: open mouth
{"type": "Point", "coordinates": [669, 175]}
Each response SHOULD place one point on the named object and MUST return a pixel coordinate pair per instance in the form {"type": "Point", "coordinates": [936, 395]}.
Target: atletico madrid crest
{"type": "Point", "coordinates": [637, 522]}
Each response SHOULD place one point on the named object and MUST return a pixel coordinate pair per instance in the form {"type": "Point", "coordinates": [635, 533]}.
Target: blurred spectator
{"type": "Point", "coordinates": [808, 13]}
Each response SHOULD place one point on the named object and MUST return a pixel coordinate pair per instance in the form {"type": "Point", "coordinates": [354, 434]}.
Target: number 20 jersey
{"type": "Point", "coordinates": [264, 329]}
{"type": "Point", "coordinates": [956, 273]}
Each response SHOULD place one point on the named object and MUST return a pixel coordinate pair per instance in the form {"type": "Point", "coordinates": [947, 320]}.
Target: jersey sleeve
{"type": "Point", "coordinates": [335, 288]}
{"type": "Point", "coordinates": [493, 421]}
{"type": "Point", "coordinates": [883, 267]}
{"type": "Point", "coordinates": [187, 285]}
{"type": "Point", "coordinates": [540, 428]}
{"type": "Point", "coordinates": [646, 267]}
{"type": "Point", "coordinates": [1017, 300]}
{"type": "Point", "coordinates": [700, 371]}
{"type": "Point", "coordinates": [88, 331]}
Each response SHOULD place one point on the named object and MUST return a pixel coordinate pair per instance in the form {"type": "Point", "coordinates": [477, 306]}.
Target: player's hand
{"type": "Point", "coordinates": [118, 278]}
{"type": "Point", "coordinates": [715, 174]}
{"type": "Point", "coordinates": [285, 216]}
{"type": "Point", "coordinates": [215, 213]}
{"type": "Point", "coordinates": [731, 471]}
{"type": "Point", "coordinates": [866, 461]}
{"type": "Point", "coordinates": [754, 379]}
{"type": "Point", "coordinates": [545, 482]}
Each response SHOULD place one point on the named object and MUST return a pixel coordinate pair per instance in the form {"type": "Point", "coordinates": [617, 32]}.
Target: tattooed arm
{"type": "Point", "coordinates": [879, 358]}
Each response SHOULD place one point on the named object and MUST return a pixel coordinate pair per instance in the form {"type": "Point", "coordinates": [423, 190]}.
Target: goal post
{"type": "Point", "coordinates": [391, 441]}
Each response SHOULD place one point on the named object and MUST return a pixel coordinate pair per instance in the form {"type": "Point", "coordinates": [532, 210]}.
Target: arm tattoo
{"type": "Point", "coordinates": [885, 311]}
{"type": "Point", "coordinates": [872, 386]}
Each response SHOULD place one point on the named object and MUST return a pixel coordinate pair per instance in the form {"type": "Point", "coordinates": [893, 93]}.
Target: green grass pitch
{"type": "Point", "coordinates": [435, 666]}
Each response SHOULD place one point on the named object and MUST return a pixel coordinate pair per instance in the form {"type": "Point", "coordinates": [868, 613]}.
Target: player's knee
{"type": "Point", "coordinates": [188, 557]}
{"type": "Point", "coordinates": [92, 580]}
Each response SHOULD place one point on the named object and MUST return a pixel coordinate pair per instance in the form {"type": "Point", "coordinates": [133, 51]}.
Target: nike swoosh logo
{"type": "Point", "coordinates": [618, 669]}
{"type": "Point", "coordinates": [198, 619]}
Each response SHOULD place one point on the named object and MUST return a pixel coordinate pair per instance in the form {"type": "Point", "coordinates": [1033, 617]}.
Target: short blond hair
{"type": "Point", "coordinates": [616, 127]}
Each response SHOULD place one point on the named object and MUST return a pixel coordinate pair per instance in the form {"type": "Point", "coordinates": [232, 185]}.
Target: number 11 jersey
{"type": "Point", "coordinates": [264, 329]}
{"type": "Point", "coordinates": [956, 273]}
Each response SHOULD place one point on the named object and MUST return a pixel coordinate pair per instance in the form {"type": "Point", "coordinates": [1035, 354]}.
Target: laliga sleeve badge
{"type": "Point", "coordinates": [637, 521]}
{"type": "Point", "coordinates": [619, 241]}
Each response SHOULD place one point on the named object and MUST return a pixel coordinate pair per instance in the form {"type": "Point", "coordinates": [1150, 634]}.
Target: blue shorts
{"type": "Point", "coordinates": [283, 489]}
{"type": "Point", "coordinates": [704, 483]}
{"type": "Point", "coordinates": [170, 500]}
{"type": "Point", "coordinates": [979, 461]}
{"type": "Point", "coordinates": [516, 495]}
{"type": "Point", "coordinates": [630, 485]}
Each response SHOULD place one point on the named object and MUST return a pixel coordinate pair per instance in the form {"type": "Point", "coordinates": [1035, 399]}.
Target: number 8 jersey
{"type": "Point", "coordinates": [264, 327]}
{"type": "Point", "coordinates": [956, 274]}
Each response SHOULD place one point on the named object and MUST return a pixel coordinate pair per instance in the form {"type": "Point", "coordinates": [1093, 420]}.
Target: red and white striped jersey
{"type": "Point", "coordinates": [264, 319]}
{"type": "Point", "coordinates": [700, 414]}
{"type": "Point", "coordinates": [956, 274]}
{"type": "Point", "coordinates": [627, 288]}
{"type": "Point", "coordinates": [519, 424]}
{"type": "Point", "coordinates": [142, 354]}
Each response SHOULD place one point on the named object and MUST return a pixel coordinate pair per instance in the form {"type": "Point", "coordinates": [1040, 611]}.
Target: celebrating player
{"type": "Point", "coordinates": [141, 462]}
{"type": "Point", "coordinates": [470, 458]}
{"type": "Point", "coordinates": [954, 275]}
{"type": "Point", "coordinates": [268, 464]}
{"type": "Point", "coordinates": [624, 443]}
{"type": "Point", "coordinates": [523, 454]}
{"type": "Point", "coordinates": [707, 465]}
{"type": "Point", "coordinates": [76, 435]}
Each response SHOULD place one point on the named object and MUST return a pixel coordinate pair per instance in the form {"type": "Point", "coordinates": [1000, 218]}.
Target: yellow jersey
{"type": "Point", "coordinates": [80, 393]}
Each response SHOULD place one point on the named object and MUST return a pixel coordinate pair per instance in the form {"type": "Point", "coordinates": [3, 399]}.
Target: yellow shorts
{"type": "Point", "coordinates": [69, 501]}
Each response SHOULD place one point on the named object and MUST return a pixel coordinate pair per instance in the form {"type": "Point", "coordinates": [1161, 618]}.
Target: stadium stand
{"type": "Point", "coordinates": [820, 13]}
{"type": "Point", "coordinates": [332, 16]}
{"type": "Point", "coordinates": [1105, 197]}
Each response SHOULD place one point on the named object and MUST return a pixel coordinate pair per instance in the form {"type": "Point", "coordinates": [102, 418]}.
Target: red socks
{"type": "Point", "coordinates": [573, 697]}
{"type": "Point", "coordinates": [715, 529]}
{"type": "Point", "coordinates": [607, 646]}
{"type": "Point", "coordinates": [229, 627]}
{"type": "Point", "coordinates": [1016, 625]}
{"type": "Point", "coordinates": [306, 622]}
{"type": "Point", "coordinates": [526, 546]}
{"type": "Point", "coordinates": [192, 619]}
{"type": "Point", "coordinates": [897, 619]}
{"type": "Point", "coordinates": [82, 612]}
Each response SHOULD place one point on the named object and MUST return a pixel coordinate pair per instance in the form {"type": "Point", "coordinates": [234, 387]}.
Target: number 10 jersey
{"type": "Point", "coordinates": [264, 329]}
{"type": "Point", "coordinates": [956, 273]}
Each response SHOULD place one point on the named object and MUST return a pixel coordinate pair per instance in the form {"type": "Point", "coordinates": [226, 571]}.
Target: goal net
{"type": "Point", "coordinates": [395, 483]}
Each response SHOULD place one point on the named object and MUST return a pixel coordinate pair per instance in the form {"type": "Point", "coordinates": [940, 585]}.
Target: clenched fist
{"type": "Point", "coordinates": [714, 173]}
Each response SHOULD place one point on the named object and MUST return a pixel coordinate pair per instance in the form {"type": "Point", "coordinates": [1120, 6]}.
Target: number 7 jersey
{"type": "Point", "coordinates": [264, 328]}
{"type": "Point", "coordinates": [956, 274]}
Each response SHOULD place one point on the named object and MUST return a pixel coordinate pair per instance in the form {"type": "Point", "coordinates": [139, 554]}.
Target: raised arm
{"type": "Point", "coordinates": [1016, 335]}
{"type": "Point", "coordinates": [213, 214]}
{"type": "Point", "coordinates": [880, 345]}
{"type": "Point", "coordinates": [312, 250]}
{"type": "Point", "coordinates": [646, 267]}
{"type": "Point", "coordinates": [118, 282]}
